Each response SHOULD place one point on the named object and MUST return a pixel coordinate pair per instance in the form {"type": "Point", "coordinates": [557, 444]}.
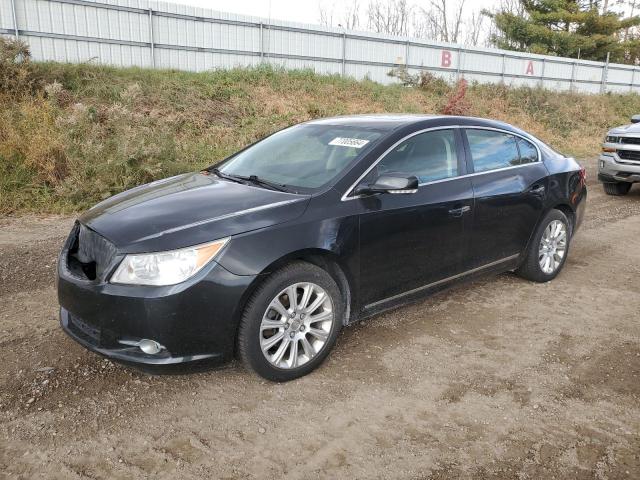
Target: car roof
{"type": "Point", "coordinates": [388, 122]}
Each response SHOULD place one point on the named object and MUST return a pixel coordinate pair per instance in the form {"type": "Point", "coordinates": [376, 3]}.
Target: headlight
{"type": "Point", "coordinates": [612, 139]}
{"type": "Point", "coordinates": [166, 268]}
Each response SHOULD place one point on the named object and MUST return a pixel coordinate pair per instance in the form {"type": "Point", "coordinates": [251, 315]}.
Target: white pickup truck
{"type": "Point", "coordinates": [619, 163]}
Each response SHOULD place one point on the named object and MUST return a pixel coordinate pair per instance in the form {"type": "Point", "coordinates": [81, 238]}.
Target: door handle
{"type": "Point", "coordinates": [537, 189]}
{"type": "Point", "coordinates": [458, 212]}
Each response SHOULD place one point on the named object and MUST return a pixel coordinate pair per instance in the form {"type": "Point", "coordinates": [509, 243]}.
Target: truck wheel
{"type": "Point", "coordinates": [617, 189]}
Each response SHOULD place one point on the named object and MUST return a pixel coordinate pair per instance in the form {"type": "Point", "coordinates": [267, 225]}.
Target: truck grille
{"type": "Point", "coordinates": [90, 255]}
{"type": "Point", "coordinates": [630, 140]}
{"type": "Point", "coordinates": [632, 155]}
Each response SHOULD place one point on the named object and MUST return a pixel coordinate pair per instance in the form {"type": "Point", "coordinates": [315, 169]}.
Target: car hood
{"type": "Point", "coordinates": [188, 210]}
{"type": "Point", "coordinates": [632, 128]}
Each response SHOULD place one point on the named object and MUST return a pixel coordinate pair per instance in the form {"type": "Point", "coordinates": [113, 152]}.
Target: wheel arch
{"type": "Point", "coordinates": [328, 261]}
{"type": "Point", "coordinates": [565, 208]}
{"type": "Point", "coordinates": [325, 259]}
{"type": "Point", "coordinates": [568, 211]}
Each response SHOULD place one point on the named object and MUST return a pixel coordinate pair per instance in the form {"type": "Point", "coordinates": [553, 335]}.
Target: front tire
{"type": "Point", "coordinates": [291, 322]}
{"type": "Point", "coordinates": [617, 189]}
{"type": "Point", "coordinates": [548, 249]}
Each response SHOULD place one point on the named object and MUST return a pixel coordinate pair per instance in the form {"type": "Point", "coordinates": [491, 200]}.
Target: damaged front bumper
{"type": "Point", "coordinates": [189, 322]}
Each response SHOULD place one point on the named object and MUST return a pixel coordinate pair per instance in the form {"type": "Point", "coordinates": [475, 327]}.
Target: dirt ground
{"type": "Point", "coordinates": [500, 378]}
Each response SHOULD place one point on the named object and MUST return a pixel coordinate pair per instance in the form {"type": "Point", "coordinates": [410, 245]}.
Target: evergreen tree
{"type": "Point", "coordinates": [566, 27]}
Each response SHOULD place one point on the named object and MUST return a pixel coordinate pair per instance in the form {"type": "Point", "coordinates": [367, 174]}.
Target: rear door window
{"type": "Point", "coordinates": [491, 150]}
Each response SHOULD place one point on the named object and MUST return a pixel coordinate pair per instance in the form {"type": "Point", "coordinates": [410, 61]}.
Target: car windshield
{"type": "Point", "coordinates": [303, 156]}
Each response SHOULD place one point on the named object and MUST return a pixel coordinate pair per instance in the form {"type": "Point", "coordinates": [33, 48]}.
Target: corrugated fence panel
{"type": "Point", "coordinates": [619, 75]}
{"type": "Point", "coordinates": [482, 62]}
{"type": "Point", "coordinates": [6, 16]}
{"type": "Point", "coordinates": [373, 51]}
{"type": "Point", "coordinates": [201, 61]}
{"type": "Point", "coordinates": [558, 70]}
{"type": "Point", "coordinates": [589, 72]}
{"type": "Point", "coordinates": [283, 42]}
{"type": "Point", "coordinates": [150, 33]}
{"type": "Point", "coordinates": [370, 72]}
{"type": "Point", "coordinates": [424, 56]}
{"type": "Point", "coordinates": [519, 67]}
{"type": "Point", "coordinates": [557, 85]}
{"type": "Point", "coordinates": [328, 68]}
{"type": "Point", "coordinates": [74, 51]}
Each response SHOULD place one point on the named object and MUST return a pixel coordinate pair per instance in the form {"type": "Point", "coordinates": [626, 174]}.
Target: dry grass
{"type": "Point", "coordinates": [71, 135]}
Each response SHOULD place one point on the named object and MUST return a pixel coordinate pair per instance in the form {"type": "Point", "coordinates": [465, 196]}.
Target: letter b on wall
{"type": "Point", "coordinates": [445, 59]}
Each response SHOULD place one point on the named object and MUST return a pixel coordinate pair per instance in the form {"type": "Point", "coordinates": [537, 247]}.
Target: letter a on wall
{"type": "Point", "coordinates": [445, 59]}
{"type": "Point", "coordinates": [529, 70]}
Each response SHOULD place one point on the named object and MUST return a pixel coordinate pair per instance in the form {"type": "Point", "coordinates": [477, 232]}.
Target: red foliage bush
{"type": "Point", "coordinates": [457, 103]}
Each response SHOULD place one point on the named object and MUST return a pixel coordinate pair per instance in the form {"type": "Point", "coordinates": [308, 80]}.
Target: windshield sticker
{"type": "Point", "coordinates": [348, 142]}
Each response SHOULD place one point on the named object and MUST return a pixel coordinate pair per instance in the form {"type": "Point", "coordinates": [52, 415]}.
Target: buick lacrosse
{"type": "Point", "coordinates": [268, 254]}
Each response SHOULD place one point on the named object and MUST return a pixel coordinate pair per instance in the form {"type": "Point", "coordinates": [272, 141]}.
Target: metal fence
{"type": "Point", "coordinates": [164, 35]}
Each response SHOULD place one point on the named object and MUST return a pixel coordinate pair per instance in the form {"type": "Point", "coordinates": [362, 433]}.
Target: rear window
{"type": "Point", "coordinates": [528, 152]}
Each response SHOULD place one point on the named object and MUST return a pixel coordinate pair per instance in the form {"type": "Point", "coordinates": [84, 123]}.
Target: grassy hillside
{"type": "Point", "coordinates": [71, 135]}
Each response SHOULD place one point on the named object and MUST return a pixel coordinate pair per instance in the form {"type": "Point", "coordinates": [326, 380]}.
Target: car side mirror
{"type": "Point", "coordinates": [389, 183]}
{"type": "Point", "coordinates": [635, 119]}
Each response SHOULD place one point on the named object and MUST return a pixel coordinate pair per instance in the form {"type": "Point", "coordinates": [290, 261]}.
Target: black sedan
{"type": "Point", "coordinates": [269, 254]}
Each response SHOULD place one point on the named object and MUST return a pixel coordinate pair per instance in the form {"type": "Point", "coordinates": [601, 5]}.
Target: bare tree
{"type": "Point", "coordinates": [442, 20]}
{"type": "Point", "coordinates": [475, 28]}
{"type": "Point", "coordinates": [426, 25]}
{"type": "Point", "coordinates": [516, 7]}
{"type": "Point", "coordinates": [326, 16]}
{"type": "Point", "coordinates": [389, 16]}
{"type": "Point", "coordinates": [349, 18]}
{"type": "Point", "coordinates": [450, 25]}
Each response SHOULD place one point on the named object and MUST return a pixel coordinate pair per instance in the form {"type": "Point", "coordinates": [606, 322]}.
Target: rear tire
{"type": "Point", "coordinates": [548, 249]}
{"type": "Point", "coordinates": [280, 340]}
{"type": "Point", "coordinates": [617, 189]}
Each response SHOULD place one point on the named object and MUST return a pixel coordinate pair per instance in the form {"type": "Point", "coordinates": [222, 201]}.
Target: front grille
{"type": "Point", "coordinates": [90, 255]}
{"type": "Point", "coordinates": [630, 140]}
{"type": "Point", "coordinates": [632, 155]}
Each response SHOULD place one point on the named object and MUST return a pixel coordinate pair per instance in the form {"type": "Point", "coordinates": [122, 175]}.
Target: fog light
{"type": "Point", "coordinates": [601, 163]}
{"type": "Point", "coordinates": [150, 347]}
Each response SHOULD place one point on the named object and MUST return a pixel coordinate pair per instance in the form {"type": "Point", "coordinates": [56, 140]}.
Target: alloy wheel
{"type": "Point", "coordinates": [553, 246]}
{"type": "Point", "coordinates": [296, 325]}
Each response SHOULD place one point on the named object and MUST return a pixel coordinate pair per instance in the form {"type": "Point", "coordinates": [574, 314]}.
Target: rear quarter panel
{"type": "Point", "coordinates": [567, 187]}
